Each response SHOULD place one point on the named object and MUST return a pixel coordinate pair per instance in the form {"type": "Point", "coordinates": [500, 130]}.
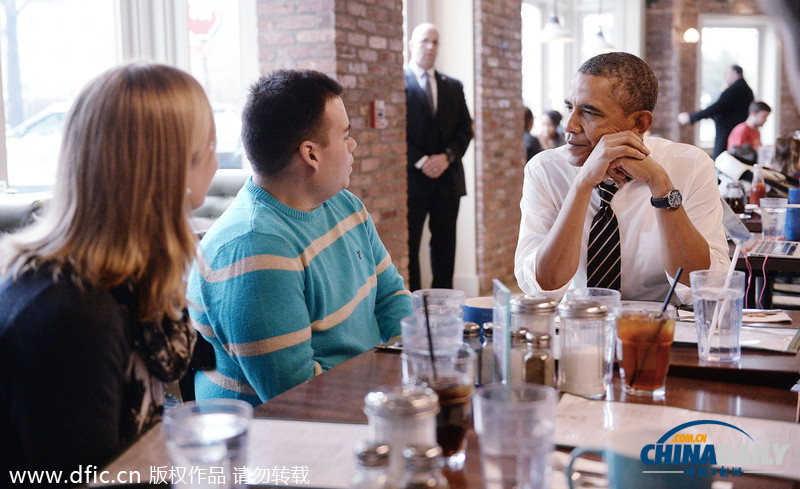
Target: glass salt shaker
{"type": "Point", "coordinates": [533, 313]}
{"type": "Point", "coordinates": [581, 367]}
{"type": "Point", "coordinates": [401, 416]}
{"type": "Point", "coordinates": [423, 468]}
{"type": "Point", "coordinates": [472, 337]}
{"type": "Point", "coordinates": [372, 466]}
{"type": "Point", "coordinates": [539, 365]}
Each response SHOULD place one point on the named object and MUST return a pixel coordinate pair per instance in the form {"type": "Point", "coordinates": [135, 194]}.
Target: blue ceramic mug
{"type": "Point", "coordinates": [479, 309]}
{"type": "Point", "coordinates": [623, 455]}
{"type": "Point", "coordinates": [792, 227]}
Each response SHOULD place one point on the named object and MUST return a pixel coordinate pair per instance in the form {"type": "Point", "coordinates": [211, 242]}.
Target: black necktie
{"type": "Point", "coordinates": [603, 256]}
{"type": "Point", "coordinates": [428, 91]}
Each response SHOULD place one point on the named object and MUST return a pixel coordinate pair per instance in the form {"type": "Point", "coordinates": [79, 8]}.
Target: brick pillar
{"type": "Point", "coordinates": [360, 44]}
{"type": "Point", "coordinates": [499, 150]}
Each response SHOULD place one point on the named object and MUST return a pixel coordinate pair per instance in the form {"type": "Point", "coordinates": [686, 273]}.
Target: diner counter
{"type": "Point", "coordinates": [758, 387]}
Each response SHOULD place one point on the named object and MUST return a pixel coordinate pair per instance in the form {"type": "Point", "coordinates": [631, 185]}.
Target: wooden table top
{"type": "Point", "coordinates": [338, 395]}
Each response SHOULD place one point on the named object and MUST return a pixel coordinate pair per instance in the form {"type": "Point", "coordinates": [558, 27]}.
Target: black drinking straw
{"type": "Point", "coordinates": [660, 325]}
{"type": "Point", "coordinates": [430, 338]}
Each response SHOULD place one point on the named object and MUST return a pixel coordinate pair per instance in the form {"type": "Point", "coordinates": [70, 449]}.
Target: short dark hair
{"type": "Point", "coordinates": [528, 115]}
{"type": "Point", "coordinates": [758, 106]}
{"type": "Point", "coordinates": [282, 110]}
{"type": "Point", "coordinates": [554, 116]}
{"type": "Point", "coordinates": [738, 69]}
{"type": "Point", "coordinates": [635, 87]}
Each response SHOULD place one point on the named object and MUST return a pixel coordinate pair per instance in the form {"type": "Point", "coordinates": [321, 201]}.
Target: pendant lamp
{"type": "Point", "coordinates": [553, 31]}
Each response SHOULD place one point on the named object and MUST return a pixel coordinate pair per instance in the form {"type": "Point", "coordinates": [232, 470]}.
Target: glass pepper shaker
{"type": "Point", "coordinates": [539, 364]}
{"type": "Point", "coordinates": [401, 416]}
{"type": "Point", "coordinates": [535, 314]}
{"type": "Point", "coordinates": [519, 348]}
{"type": "Point", "coordinates": [372, 466]}
{"type": "Point", "coordinates": [423, 468]}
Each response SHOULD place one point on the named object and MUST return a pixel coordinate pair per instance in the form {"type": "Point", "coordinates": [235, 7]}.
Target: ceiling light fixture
{"type": "Point", "coordinates": [553, 31]}
{"type": "Point", "coordinates": [598, 44]}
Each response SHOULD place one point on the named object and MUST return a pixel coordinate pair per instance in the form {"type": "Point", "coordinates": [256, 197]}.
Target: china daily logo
{"type": "Point", "coordinates": [696, 455]}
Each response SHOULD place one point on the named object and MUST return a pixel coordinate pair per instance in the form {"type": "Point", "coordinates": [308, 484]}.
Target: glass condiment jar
{"type": "Point", "coordinates": [372, 467]}
{"type": "Point", "coordinates": [581, 366]}
{"type": "Point", "coordinates": [487, 354]}
{"type": "Point", "coordinates": [423, 468]}
{"type": "Point", "coordinates": [401, 416]}
{"type": "Point", "coordinates": [539, 366]}
{"type": "Point", "coordinates": [473, 338]}
{"type": "Point", "coordinates": [758, 188]}
{"type": "Point", "coordinates": [734, 196]}
{"type": "Point", "coordinates": [519, 348]}
{"type": "Point", "coordinates": [533, 313]}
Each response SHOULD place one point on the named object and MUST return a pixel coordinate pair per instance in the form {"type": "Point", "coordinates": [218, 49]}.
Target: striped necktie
{"type": "Point", "coordinates": [428, 91]}
{"type": "Point", "coordinates": [603, 255]}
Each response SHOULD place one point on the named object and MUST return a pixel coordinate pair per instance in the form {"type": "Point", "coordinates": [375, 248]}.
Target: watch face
{"type": "Point", "coordinates": [674, 198]}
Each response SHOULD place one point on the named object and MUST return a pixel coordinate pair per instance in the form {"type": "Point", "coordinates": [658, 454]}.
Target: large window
{"type": "Point", "coordinates": [750, 42]}
{"type": "Point", "coordinates": [52, 48]}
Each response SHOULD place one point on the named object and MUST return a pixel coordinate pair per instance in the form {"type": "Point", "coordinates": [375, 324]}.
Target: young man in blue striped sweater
{"type": "Point", "coordinates": [293, 278]}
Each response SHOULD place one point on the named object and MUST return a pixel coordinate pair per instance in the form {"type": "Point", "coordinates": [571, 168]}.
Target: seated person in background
{"type": "Point", "coordinates": [293, 278]}
{"type": "Point", "coordinates": [552, 134]}
{"type": "Point", "coordinates": [747, 132]}
{"type": "Point", "coordinates": [787, 156]}
{"type": "Point", "coordinates": [532, 145]}
{"type": "Point", "coordinates": [664, 209]}
{"type": "Point", "coordinates": [92, 296]}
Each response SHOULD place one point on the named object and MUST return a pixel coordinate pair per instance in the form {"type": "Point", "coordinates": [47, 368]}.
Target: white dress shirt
{"type": "Point", "coordinates": [548, 178]}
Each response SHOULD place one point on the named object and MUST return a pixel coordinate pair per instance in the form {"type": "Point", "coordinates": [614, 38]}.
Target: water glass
{"type": "Point", "coordinates": [515, 424]}
{"type": "Point", "coordinates": [207, 440]}
{"type": "Point", "coordinates": [446, 332]}
{"type": "Point", "coordinates": [773, 217]}
{"type": "Point", "coordinates": [718, 314]}
{"type": "Point", "coordinates": [440, 301]}
{"type": "Point", "coordinates": [611, 299]}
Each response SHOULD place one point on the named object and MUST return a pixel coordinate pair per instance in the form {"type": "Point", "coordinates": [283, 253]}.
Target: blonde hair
{"type": "Point", "coordinates": [119, 209]}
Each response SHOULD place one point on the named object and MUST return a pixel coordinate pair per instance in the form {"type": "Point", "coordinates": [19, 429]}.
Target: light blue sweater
{"type": "Point", "coordinates": [284, 294]}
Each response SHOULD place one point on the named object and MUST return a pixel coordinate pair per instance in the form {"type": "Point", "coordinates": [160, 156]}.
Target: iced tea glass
{"type": "Point", "coordinates": [454, 382]}
{"type": "Point", "coordinates": [646, 336]}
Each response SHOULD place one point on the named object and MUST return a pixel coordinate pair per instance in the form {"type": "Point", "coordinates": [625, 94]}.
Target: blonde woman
{"type": "Point", "coordinates": [92, 297]}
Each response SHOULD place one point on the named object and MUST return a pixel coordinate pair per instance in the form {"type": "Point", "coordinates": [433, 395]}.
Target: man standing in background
{"type": "Point", "coordinates": [438, 132]}
{"type": "Point", "coordinates": [729, 110]}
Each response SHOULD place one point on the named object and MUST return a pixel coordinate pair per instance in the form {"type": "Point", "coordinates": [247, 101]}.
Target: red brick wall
{"type": "Point", "coordinates": [360, 43]}
{"type": "Point", "coordinates": [675, 63]}
{"type": "Point", "coordinates": [499, 151]}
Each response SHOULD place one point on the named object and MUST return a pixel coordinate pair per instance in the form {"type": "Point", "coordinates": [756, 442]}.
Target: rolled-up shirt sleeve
{"type": "Point", "coordinates": [539, 212]}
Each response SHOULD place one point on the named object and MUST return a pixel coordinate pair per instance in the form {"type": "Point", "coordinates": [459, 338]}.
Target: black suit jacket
{"type": "Point", "coordinates": [450, 129]}
{"type": "Point", "coordinates": [730, 109]}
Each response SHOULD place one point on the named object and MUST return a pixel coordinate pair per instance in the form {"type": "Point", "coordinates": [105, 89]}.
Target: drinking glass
{"type": "Point", "coordinates": [440, 301]}
{"type": "Point", "coordinates": [718, 314]}
{"type": "Point", "coordinates": [206, 435]}
{"type": "Point", "coordinates": [515, 425]}
{"type": "Point", "coordinates": [646, 335]}
{"type": "Point", "coordinates": [452, 376]}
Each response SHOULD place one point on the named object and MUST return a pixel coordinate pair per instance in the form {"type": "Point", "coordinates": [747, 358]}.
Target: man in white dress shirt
{"type": "Point", "coordinates": [666, 202]}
